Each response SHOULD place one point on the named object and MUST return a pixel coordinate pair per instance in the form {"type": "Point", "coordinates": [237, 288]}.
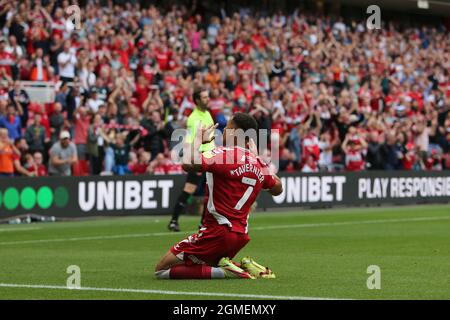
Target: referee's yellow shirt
{"type": "Point", "coordinates": [195, 120]}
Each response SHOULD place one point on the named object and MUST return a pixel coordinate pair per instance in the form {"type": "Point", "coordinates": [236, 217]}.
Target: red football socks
{"type": "Point", "coordinates": [196, 271]}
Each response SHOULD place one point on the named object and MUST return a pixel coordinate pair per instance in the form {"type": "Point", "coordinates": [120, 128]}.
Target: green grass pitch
{"type": "Point", "coordinates": [314, 253]}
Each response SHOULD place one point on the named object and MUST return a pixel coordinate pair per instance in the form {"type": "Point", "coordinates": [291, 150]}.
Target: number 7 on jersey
{"type": "Point", "coordinates": [251, 183]}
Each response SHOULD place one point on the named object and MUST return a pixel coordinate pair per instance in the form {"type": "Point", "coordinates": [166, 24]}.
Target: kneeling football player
{"type": "Point", "coordinates": [235, 175]}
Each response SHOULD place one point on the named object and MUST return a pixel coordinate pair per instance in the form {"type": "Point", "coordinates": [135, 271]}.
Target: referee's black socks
{"type": "Point", "coordinates": [181, 205]}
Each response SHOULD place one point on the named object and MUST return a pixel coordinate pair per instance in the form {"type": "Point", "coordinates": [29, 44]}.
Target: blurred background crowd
{"type": "Point", "coordinates": [338, 96]}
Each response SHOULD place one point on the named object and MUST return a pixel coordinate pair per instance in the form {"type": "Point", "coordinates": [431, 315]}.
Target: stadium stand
{"type": "Point", "coordinates": [339, 96]}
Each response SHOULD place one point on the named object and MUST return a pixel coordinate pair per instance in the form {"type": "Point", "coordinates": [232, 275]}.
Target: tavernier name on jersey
{"type": "Point", "coordinates": [248, 167]}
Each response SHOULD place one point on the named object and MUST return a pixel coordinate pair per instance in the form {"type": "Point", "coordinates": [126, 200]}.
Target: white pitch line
{"type": "Point", "coordinates": [119, 236]}
{"type": "Point", "coordinates": [287, 226]}
{"type": "Point", "coordinates": [348, 223]}
{"type": "Point", "coordinates": [19, 229]}
{"type": "Point", "coordinates": [165, 292]}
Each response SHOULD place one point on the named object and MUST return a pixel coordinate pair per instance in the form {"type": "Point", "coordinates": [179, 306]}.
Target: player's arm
{"type": "Point", "coordinates": [277, 188]}
{"type": "Point", "coordinates": [192, 160]}
{"type": "Point", "coordinates": [273, 184]}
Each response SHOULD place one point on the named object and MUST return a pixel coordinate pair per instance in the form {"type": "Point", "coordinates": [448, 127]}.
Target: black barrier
{"type": "Point", "coordinates": [146, 195]}
{"type": "Point", "coordinates": [89, 196]}
{"type": "Point", "coordinates": [360, 188]}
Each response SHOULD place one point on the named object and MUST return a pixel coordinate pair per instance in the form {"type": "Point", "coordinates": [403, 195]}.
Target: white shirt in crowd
{"type": "Point", "coordinates": [423, 139]}
{"type": "Point", "coordinates": [87, 78]}
{"type": "Point", "coordinates": [306, 168]}
{"type": "Point", "coordinates": [67, 70]}
{"type": "Point", "coordinates": [15, 51]}
{"type": "Point", "coordinates": [326, 157]}
{"type": "Point", "coordinates": [93, 104]}
{"type": "Point", "coordinates": [40, 69]}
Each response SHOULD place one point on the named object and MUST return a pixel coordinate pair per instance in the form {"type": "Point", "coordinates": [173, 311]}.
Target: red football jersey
{"type": "Point", "coordinates": [354, 161]}
{"type": "Point", "coordinates": [234, 178]}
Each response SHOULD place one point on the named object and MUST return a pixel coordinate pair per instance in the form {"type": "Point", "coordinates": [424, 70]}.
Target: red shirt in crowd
{"type": "Point", "coordinates": [138, 168]}
{"type": "Point", "coordinates": [40, 169]}
{"type": "Point", "coordinates": [141, 94]}
{"type": "Point", "coordinates": [216, 106]}
{"type": "Point", "coordinates": [163, 58]}
{"type": "Point", "coordinates": [246, 92]}
{"type": "Point", "coordinates": [245, 66]}
{"type": "Point", "coordinates": [58, 28]}
{"type": "Point", "coordinates": [81, 129]}
{"type": "Point", "coordinates": [6, 60]}
{"type": "Point", "coordinates": [311, 146]}
{"type": "Point", "coordinates": [354, 160]}
{"type": "Point", "coordinates": [159, 169]}
{"type": "Point", "coordinates": [173, 168]}
{"type": "Point", "coordinates": [408, 161]}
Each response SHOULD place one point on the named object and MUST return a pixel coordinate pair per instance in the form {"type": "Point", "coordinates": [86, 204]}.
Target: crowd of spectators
{"type": "Point", "coordinates": [338, 96]}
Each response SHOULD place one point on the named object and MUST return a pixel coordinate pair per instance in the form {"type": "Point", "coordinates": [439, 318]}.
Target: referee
{"type": "Point", "coordinates": [198, 118]}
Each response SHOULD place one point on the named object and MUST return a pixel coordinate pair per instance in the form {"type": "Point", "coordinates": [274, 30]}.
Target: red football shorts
{"type": "Point", "coordinates": [209, 245]}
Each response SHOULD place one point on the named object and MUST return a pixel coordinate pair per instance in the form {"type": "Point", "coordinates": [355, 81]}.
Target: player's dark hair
{"type": "Point", "coordinates": [197, 92]}
{"type": "Point", "coordinates": [244, 121]}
